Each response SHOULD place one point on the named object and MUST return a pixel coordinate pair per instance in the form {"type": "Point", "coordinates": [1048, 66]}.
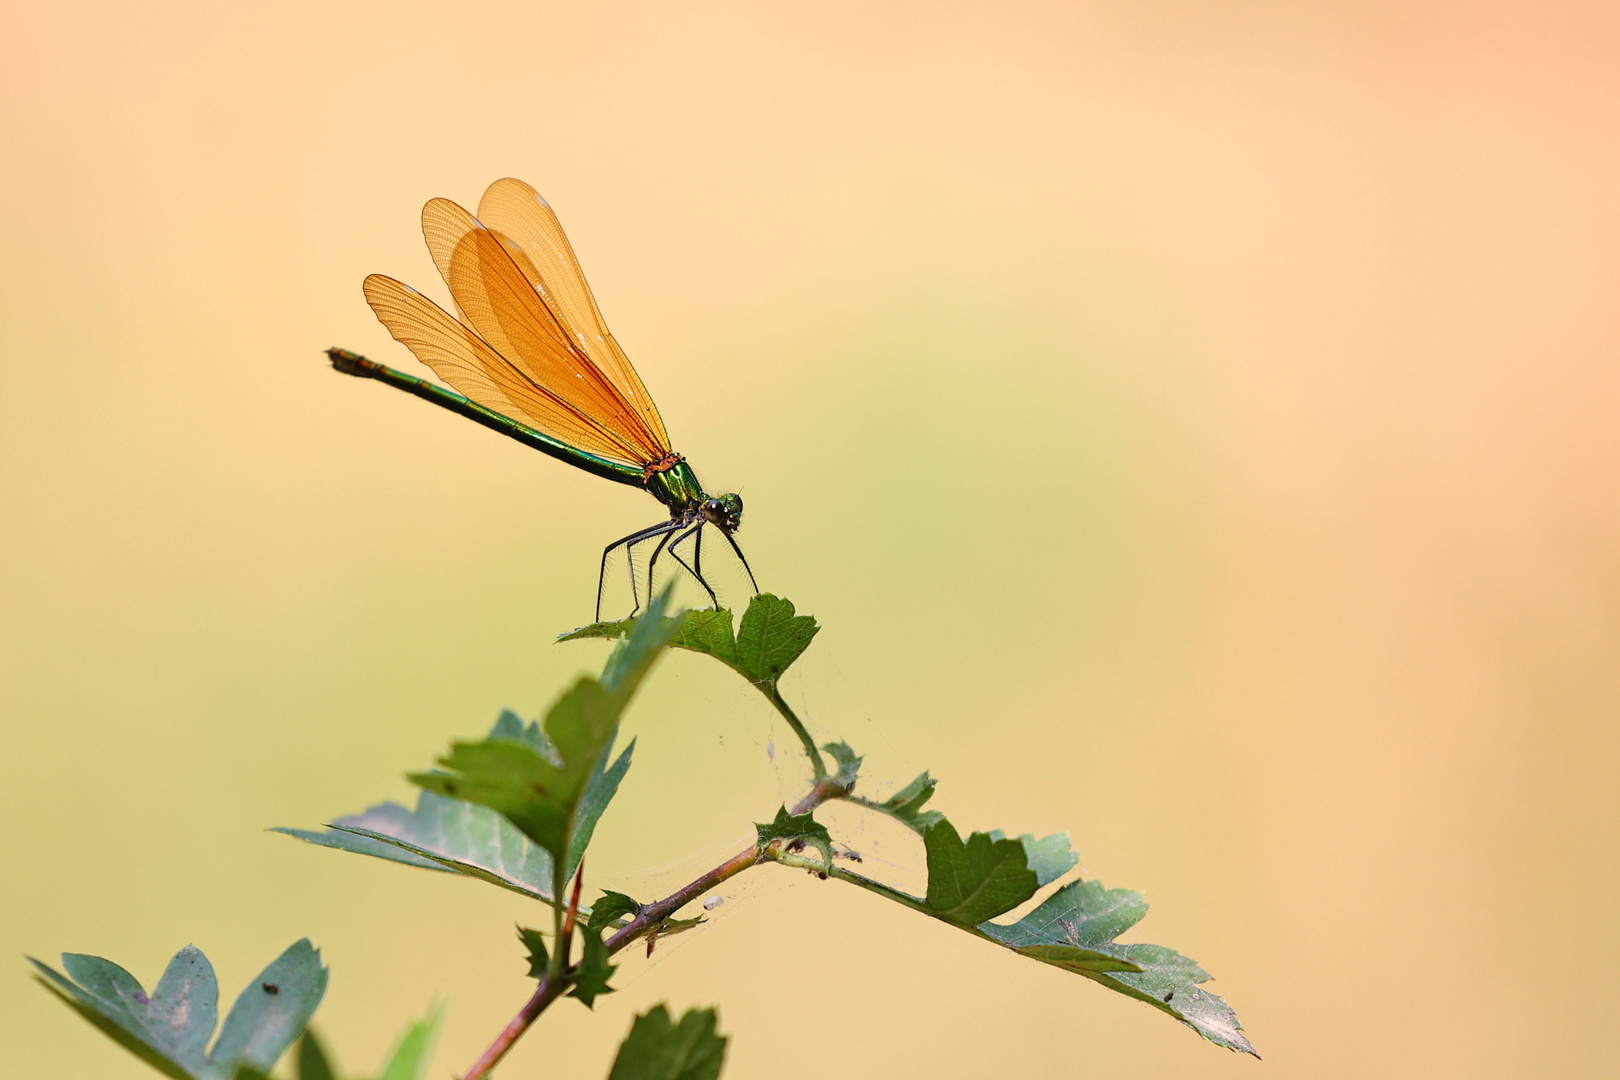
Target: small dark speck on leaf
{"type": "Point", "coordinates": [449, 788]}
{"type": "Point", "coordinates": [1168, 994]}
{"type": "Point", "coordinates": [270, 988]}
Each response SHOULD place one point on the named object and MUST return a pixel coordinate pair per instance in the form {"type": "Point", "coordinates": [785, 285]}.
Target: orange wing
{"type": "Point", "coordinates": [514, 352]}
{"type": "Point", "coordinates": [468, 363]}
{"type": "Point", "coordinates": [514, 209]}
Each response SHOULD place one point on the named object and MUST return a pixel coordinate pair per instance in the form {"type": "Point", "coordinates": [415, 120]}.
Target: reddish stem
{"type": "Point", "coordinates": [566, 945]}
{"type": "Point", "coordinates": [650, 916]}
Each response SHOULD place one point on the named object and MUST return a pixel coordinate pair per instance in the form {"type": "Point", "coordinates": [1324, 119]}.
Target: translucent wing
{"type": "Point", "coordinates": [498, 301]}
{"type": "Point", "coordinates": [515, 210]}
{"type": "Point", "coordinates": [477, 370]}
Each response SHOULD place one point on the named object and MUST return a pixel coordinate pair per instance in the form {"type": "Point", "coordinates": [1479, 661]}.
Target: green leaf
{"type": "Point", "coordinates": [607, 630]}
{"type": "Point", "coordinates": [513, 779]}
{"type": "Point", "coordinates": [170, 1028]}
{"type": "Point", "coordinates": [273, 1010]}
{"type": "Point", "coordinates": [708, 632]}
{"type": "Point", "coordinates": [443, 834]}
{"type": "Point", "coordinates": [509, 725]}
{"type": "Point", "coordinates": [542, 794]}
{"type": "Point", "coordinates": [849, 764]}
{"type": "Point", "coordinates": [659, 1049]}
{"type": "Point", "coordinates": [977, 880]}
{"type": "Point", "coordinates": [313, 1064]}
{"type": "Point", "coordinates": [411, 1056]}
{"type": "Point", "coordinates": [609, 907]}
{"type": "Point", "coordinates": [408, 1061]}
{"type": "Point", "coordinates": [630, 662]}
{"type": "Point", "coordinates": [538, 958]}
{"type": "Point", "coordinates": [702, 632]}
{"type": "Point", "coordinates": [1081, 915]}
{"type": "Point", "coordinates": [248, 1072]}
{"type": "Point", "coordinates": [906, 805]}
{"type": "Point", "coordinates": [1074, 929]}
{"type": "Point", "coordinates": [184, 1006]}
{"type": "Point", "coordinates": [769, 639]}
{"type": "Point", "coordinates": [1050, 857]}
{"type": "Point", "coordinates": [599, 791]}
{"type": "Point", "coordinates": [592, 975]}
{"type": "Point", "coordinates": [170, 1039]}
{"type": "Point", "coordinates": [792, 828]}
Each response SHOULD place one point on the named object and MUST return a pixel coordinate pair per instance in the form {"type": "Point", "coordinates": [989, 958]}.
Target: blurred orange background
{"type": "Point", "coordinates": [1194, 426]}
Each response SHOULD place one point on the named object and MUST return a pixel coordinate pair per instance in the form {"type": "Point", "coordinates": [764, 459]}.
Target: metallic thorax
{"type": "Point", "coordinates": [673, 483]}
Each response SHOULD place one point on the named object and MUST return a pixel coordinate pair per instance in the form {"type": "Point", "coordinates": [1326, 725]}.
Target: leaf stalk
{"type": "Point", "coordinates": [800, 862]}
{"type": "Point", "coordinates": [818, 766]}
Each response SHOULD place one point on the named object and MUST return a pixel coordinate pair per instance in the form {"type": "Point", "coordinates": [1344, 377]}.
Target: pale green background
{"type": "Point", "coordinates": [1194, 425]}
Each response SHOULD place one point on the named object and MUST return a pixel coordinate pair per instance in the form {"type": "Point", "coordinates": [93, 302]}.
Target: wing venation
{"type": "Point", "coordinates": [498, 300]}
{"type": "Point", "coordinates": [470, 365]}
{"type": "Point", "coordinates": [514, 209]}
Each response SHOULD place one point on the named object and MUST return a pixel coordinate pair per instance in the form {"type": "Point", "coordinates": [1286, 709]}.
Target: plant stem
{"type": "Point", "coordinates": [565, 939]}
{"type": "Point", "coordinates": [650, 915]}
{"type": "Point", "coordinates": [551, 987]}
{"type": "Point", "coordinates": [547, 992]}
{"type": "Point", "coordinates": [1097, 962]}
{"type": "Point", "coordinates": [800, 862]}
{"type": "Point", "coordinates": [559, 945]}
{"type": "Point", "coordinates": [817, 765]}
{"type": "Point", "coordinates": [656, 912]}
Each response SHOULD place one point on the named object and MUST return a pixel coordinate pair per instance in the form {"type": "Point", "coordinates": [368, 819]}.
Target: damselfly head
{"type": "Point", "coordinates": [726, 512]}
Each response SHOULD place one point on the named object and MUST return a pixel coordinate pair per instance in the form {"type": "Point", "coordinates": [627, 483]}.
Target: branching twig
{"type": "Point", "coordinates": [645, 920]}
{"type": "Point", "coordinates": [656, 912]}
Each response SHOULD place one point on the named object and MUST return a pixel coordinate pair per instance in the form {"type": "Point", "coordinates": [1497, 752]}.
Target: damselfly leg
{"type": "Point", "coordinates": [663, 527]}
{"type": "Point", "coordinates": [651, 563]}
{"type": "Point", "coordinates": [695, 530]}
{"type": "Point", "coordinates": [742, 559]}
{"type": "Point", "coordinates": [671, 534]}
